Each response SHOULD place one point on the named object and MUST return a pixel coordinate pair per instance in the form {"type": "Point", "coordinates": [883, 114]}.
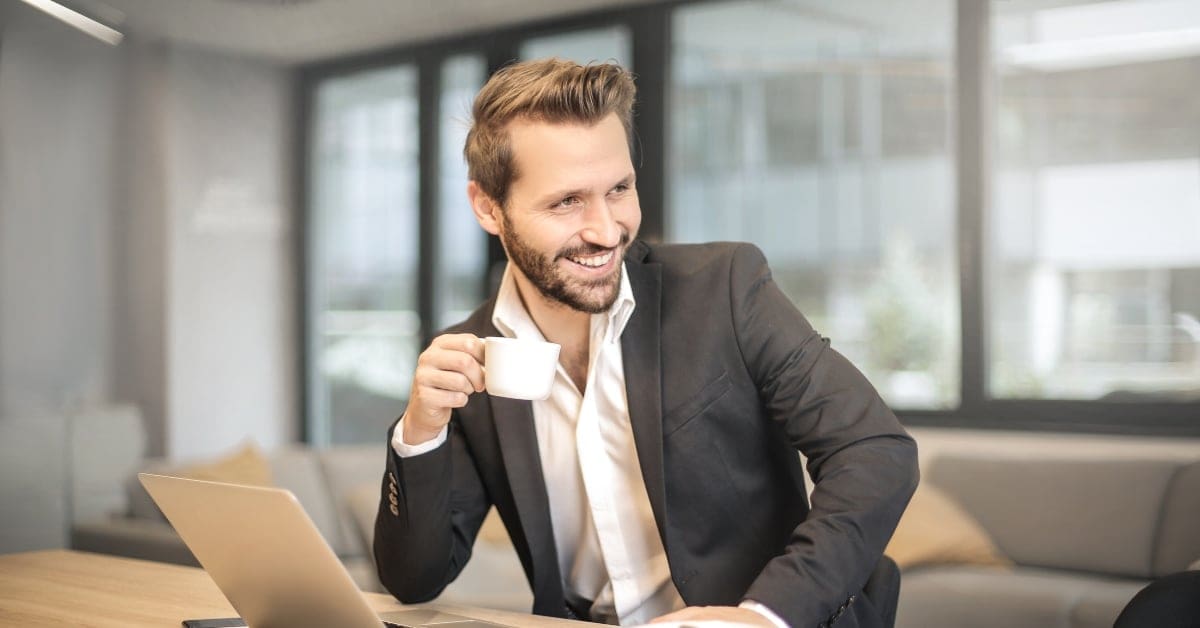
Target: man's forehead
{"type": "Point", "coordinates": [556, 149]}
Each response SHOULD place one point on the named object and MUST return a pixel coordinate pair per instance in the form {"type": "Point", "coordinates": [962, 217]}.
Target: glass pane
{"type": "Point", "coordinates": [1094, 266]}
{"type": "Point", "coordinates": [462, 244]}
{"type": "Point", "coordinates": [363, 274]}
{"type": "Point", "coordinates": [818, 129]}
{"type": "Point", "coordinates": [595, 45]}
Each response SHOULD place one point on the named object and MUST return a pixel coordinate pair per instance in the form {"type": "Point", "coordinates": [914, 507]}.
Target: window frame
{"type": "Point", "coordinates": [650, 29]}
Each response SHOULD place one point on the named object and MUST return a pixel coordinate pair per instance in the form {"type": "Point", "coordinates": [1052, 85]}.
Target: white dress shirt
{"type": "Point", "coordinates": [608, 546]}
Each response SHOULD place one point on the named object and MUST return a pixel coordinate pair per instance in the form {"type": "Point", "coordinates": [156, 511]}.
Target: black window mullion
{"type": "Point", "coordinates": [428, 98]}
{"type": "Point", "coordinates": [972, 89]}
{"type": "Point", "coordinates": [651, 31]}
{"type": "Point", "coordinates": [301, 180]}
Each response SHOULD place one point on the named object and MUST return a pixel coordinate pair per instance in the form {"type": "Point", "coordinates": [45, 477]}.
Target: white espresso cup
{"type": "Point", "coordinates": [519, 369]}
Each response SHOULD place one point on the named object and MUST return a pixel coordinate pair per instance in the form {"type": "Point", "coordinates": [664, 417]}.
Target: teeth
{"type": "Point", "coordinates": [593, 262]}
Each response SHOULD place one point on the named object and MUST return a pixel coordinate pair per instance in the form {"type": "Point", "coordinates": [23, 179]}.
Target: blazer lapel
{"type": "Point", "coordinates": [514, 428]}
{"type": "Point", "coordinates": [522, 463]}
{"type": "Point", "coordinates": [641, 353]}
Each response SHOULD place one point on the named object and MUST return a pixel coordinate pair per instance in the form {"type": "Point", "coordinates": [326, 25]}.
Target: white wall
{"type": "Point", "coordinates": [58, 101]}
{"type": "Point", "coordinates": [232, 347]}
{"type": "Point", "coordinates": [145, 236]}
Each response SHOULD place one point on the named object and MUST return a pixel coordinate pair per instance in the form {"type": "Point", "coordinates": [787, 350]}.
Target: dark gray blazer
{"type": "Point", "coordinates": [725, 381]}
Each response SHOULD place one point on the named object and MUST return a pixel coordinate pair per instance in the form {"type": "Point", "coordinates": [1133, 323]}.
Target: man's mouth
{"type": "Point", "coordinates": [592, 261]}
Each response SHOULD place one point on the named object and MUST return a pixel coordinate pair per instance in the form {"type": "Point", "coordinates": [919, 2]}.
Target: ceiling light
{"type": "Point", "coordinates": [78, 20]}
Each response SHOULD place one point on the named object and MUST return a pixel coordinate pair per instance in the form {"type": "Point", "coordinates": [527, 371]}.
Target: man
{"type": "Point", "coordinates": [660, 479]}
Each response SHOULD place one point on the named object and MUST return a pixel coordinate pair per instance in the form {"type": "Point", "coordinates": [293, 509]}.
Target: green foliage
{"type": "Point", "coordinates": [902, 332]}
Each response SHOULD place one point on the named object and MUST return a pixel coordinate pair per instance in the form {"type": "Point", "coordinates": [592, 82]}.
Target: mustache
{"type": "Point", "coordinates": [593, 249]}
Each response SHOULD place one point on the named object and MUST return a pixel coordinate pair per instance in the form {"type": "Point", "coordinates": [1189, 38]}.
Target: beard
{"type": "Point", "coordinates": [591, 296]}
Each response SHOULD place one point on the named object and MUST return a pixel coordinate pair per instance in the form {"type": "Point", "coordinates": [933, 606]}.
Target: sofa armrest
{"type": "Point", "coordinates": [133, 538]}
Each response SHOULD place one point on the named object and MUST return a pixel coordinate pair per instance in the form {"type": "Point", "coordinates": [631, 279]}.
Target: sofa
{"type": "Point", "coordinates": [339, 489]}
{"type": "Point", "coordinates": [1043, 539]}
{"type": "Point", "coordinates": [1060, 530]}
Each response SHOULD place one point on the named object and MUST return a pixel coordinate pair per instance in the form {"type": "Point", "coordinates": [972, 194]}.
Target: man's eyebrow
{"type": "Point", "coordinates": [626, 180]}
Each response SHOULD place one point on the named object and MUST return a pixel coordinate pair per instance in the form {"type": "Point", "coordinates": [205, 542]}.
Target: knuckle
{"type": "Point", "coordinates": [464, 362]}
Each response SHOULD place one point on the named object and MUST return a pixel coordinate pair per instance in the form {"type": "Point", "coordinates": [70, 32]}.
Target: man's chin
{"type": "Point", "coordinates": [590, 299]}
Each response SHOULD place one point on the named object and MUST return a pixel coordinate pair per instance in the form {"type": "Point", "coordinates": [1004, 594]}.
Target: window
{"type": "Point", "coordinates": [462, 249]}
{"type": "Point", "coordinates": [818, 130]}
{"type": "Point", "coordinates": [362, 269]}
{"type": "Point", "coordinates": [992, 209]}
{"type": "Point", "coordinates": [1094, 265]}
{"type": "Point", "coordinates": [586, 46]}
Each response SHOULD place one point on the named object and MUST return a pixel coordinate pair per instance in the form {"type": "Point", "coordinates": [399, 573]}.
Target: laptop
{"type": "Point", "coordinates": [268, 558]}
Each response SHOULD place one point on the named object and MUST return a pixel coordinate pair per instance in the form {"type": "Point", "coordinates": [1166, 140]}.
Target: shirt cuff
{"type": "Point", "coordinates": [404, 450]}
{"type": "Point", "coordinates": [776, 620]}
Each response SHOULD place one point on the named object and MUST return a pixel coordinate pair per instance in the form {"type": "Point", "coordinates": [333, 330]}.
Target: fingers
{"type": "Point", "coordinates": [432, 403]}
{"type": "Point", "coordinates": [466, 343]}
{"type": "Point", "coordinates": [460, 354]}
{"type": "Point", "coordinates": [447, 373]}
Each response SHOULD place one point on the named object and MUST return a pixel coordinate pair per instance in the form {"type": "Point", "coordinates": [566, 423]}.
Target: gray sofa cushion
{"type": "Point", "coordinates": [298, 470]}
{"type": "Point", "coordinates": [1179, 534]}
{"type": "Point", "coordinates": [347, 468]}
{"type": "Point", "coordinates": [1036, 512]}
{"type": "Point", "coordinates": [989, 597]}
{"type": "Point", "coordinates": [148, 539]}
{"type": "Point", "coordinates": [1102, 602]}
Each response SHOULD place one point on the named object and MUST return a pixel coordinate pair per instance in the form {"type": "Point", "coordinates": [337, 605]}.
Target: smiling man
{"type": "Point", "coordinates": [660, 479]}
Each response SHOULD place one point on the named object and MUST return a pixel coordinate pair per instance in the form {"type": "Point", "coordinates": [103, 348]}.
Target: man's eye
{"type": "Point", "coordinates": [621, 188]}
{"type": "Point", "coordinates": [568, 201]}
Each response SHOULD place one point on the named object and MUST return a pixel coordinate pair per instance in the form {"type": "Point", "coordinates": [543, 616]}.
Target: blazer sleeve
{"type": "Point", "coordinates": [862, 462]}
{"type": "Point", "coordinates": [430, 509]}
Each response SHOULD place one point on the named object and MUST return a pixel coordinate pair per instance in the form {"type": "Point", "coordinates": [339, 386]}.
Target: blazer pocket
{"type": "Point", "coordinates": [696, 404]}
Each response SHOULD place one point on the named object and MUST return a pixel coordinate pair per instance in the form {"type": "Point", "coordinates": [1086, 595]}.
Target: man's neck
{"type": "Point", "coordinates": [562, 325]}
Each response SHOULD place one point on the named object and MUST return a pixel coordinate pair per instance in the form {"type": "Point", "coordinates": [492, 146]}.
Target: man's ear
{"type": "Point", "coordinates": [487, 211]}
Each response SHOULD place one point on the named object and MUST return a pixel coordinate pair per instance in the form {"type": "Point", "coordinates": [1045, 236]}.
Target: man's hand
{"type": "Point", "coordinates": [447, 373]}
{"type": "Point", "coordinates": [730, 614]}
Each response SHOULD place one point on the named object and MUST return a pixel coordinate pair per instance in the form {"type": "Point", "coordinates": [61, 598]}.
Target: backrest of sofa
{"type": "Point", "coordinates": [1179, 531]}
{"type": "Point", "coordinates": [347, 468]}
{"type": "Point", "coordinates": [296, 468]}
{"type": "Point", "coordinates": [1094, 515]}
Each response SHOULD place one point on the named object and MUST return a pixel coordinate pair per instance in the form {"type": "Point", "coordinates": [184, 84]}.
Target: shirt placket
{"type": "Point", "coordinates": [600, 479]}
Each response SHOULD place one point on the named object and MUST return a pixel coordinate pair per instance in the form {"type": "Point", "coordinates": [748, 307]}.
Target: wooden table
{"type": "Point", "coordinates": [69, 588]}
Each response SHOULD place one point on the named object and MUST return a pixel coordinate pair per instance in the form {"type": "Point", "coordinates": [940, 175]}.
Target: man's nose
{"type": "Point", "coordinates": [601, 227]}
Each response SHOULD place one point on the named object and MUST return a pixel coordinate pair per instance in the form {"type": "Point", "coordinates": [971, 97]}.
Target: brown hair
{"type": "Point", "coordinates": [546, 90]}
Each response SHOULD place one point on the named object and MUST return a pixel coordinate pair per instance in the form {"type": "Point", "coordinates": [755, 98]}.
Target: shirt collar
{"type": "Point", "coordinates": [513, 321]}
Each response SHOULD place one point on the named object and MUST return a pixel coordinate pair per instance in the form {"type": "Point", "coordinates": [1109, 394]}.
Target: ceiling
{"type": "Point", "coordinates": [298, 31]}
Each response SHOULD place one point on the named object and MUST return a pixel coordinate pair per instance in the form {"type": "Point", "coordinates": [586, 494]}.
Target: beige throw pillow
{"type": "Point", "coordinates": [936, 530]}
{"type": "Point", "coordinates": [245, 465]}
